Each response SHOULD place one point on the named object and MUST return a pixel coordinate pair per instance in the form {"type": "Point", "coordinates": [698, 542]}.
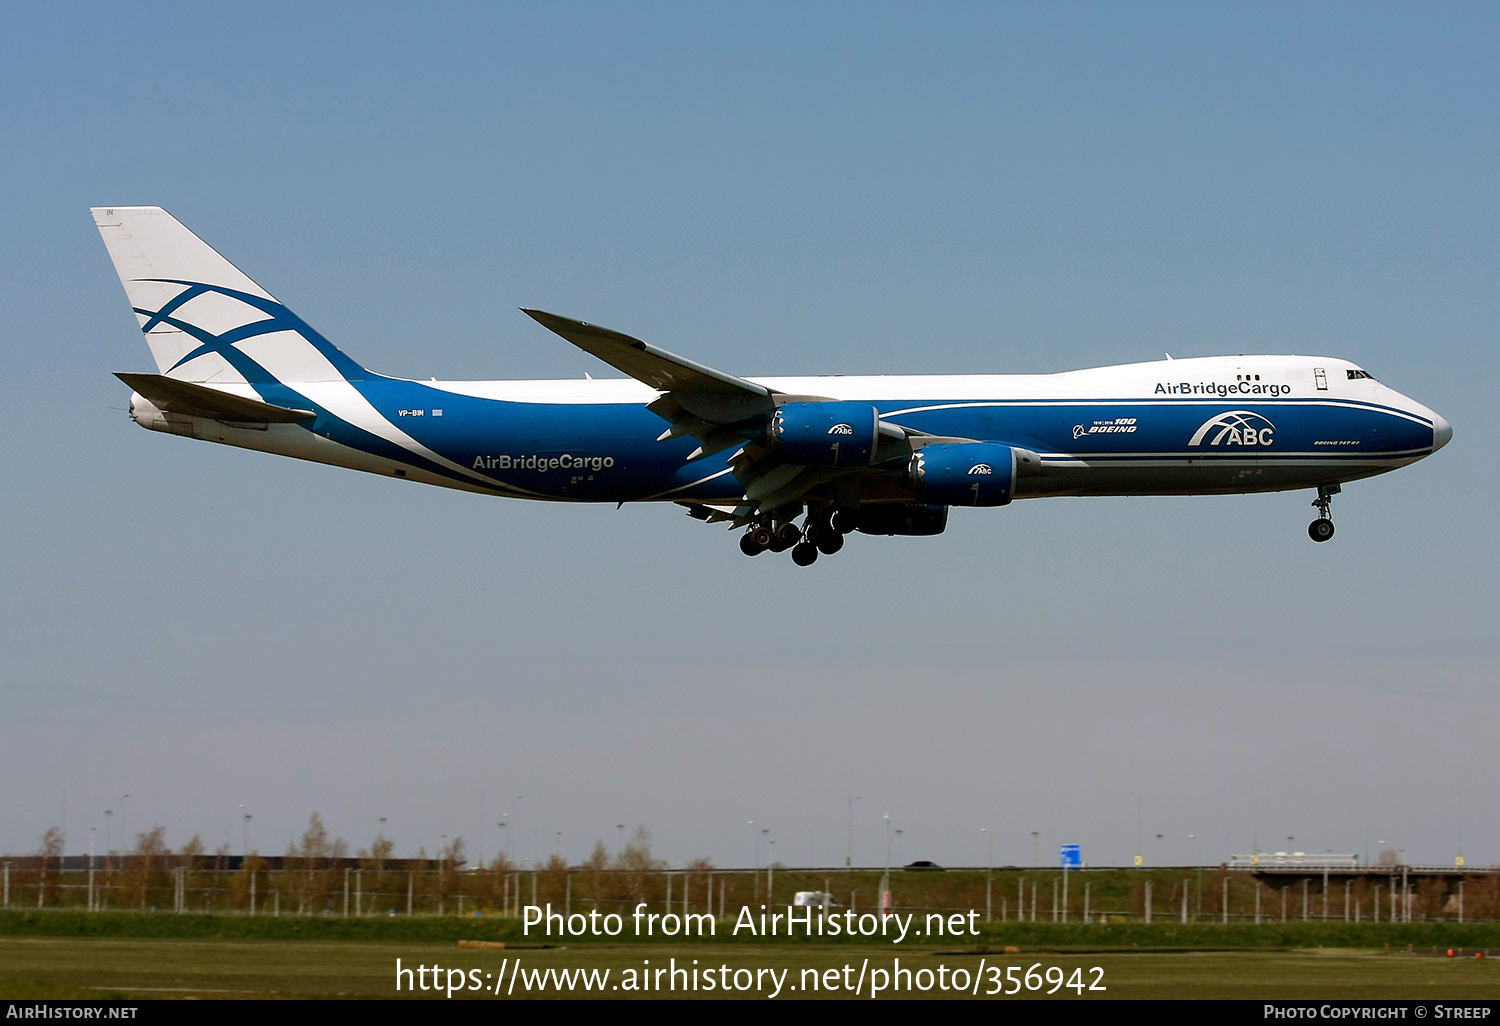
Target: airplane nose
{"type": "Point", "coordinates": [1442, 431]}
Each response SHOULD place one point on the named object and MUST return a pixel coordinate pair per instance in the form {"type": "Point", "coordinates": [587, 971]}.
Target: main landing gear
{"type": "Point", "coordinates": [822, 532]}
{"type": "Point", "coordinates": [1321, 529]}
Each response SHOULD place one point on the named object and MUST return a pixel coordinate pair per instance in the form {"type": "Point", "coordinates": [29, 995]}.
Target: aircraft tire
{"type": "Point", "coordinates": [1320, 530]}
{"type": "Point", "coordinates": [844, 521]}
{"type": "Point", "coordinates": [786, 536]}
{"type": "Point", "coordinates": [757, 538]}
{"type": "Point", "coordinates": [805, 554]}
{"type": "Point", "coordinates": [829, 542]}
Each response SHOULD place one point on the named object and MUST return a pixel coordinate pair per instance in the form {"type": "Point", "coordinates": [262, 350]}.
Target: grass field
{"type": "Point", "coordinates": [79, 967]}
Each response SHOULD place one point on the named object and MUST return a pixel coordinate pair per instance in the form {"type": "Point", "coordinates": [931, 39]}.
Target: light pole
{"type": "Point", "coordinates": [899, 832]}
{"type": "Point", "coordinates": [1195, 837]}
{"type": "Point", "coordinates": [1255, 825]}
{"type": "Point", "coordinates": [755, 860]}
{"type": "Point", "coordinates": [885, 881]}
{"type": "Point", "coordinates": [1405, 892]}
{"type": "Point", "coordinates": [108, 861]}
{"type": "Point", "coordinates": [620, 832]}
{"type": "Point", "coordinates": [1034, 835]}
{"type": "Point", "coordinates": [849, 849]}
{"type": "Point", "coordinates": [989, 869]}
{"type": "Point", "coordinates": [1138, 852]}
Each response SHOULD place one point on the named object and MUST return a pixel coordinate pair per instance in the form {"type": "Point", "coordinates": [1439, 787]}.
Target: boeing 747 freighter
{"type": "Point", "coordinates": [796, 463]}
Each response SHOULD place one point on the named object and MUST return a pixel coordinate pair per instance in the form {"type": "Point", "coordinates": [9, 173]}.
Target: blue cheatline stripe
{"type": "Point", "coordinates": [1084, 404]}
{"type": "Point", "coordinates": [1293, 461]}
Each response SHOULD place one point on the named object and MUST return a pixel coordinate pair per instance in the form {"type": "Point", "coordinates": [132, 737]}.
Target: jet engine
{"type": "Point", "coordinates": [963, 473]}
{"type": "Point", "coordinates": [831, 434]}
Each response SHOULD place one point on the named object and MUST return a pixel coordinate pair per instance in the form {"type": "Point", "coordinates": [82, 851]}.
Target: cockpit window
{"type": "Point", "coordinates": [1356, 375]}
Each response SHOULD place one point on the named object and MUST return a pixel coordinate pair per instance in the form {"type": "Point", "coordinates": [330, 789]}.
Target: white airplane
{"type": "Point", "coordinates": [880, 455]}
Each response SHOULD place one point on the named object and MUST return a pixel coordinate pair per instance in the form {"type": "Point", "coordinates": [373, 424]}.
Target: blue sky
{"type": "Point", "coordinates": [770, 190]}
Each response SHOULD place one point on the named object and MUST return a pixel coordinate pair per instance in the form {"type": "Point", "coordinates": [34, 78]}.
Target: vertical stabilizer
{"type": "Point", "coordinates": [203, 318]}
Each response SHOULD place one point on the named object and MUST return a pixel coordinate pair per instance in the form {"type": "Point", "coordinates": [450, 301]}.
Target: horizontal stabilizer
{"type": "Point", "coordinates": [183, 397]}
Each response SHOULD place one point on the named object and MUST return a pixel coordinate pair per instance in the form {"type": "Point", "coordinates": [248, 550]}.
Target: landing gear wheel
{"type": "Point", "coordinates": [1321, 529]}
{"type": "Point", "coordinates": [829, 542]}
{"type": "Point", "coordinates": [756, 540]}
{"type": "Point", "coordinates": [844, 521]}
{"type": "Point", "coordinates": [805, 554]}
{"type": "Point", "coordinates": [787, 535]}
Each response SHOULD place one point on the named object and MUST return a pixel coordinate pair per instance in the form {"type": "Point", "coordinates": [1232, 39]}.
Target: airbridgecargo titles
{"type": "Point", "coordinates": [1225, 388]}
{"type": "Point", "coordinates": [794, 463]}
{"type": "Point", "coordinates": [542, 464]}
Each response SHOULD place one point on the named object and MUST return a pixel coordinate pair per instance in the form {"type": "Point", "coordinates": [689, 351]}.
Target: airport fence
{"type": "Point", "coordinates": [360, 888]}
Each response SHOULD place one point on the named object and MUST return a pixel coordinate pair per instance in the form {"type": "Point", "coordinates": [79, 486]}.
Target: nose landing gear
{"type": "Point", "coordinates": [1321, 529]}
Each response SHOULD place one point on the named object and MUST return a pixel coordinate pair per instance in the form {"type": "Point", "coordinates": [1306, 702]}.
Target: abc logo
{"type": "Point", "coordinates": [841, 429]}
{"type": "Point", "coordinates": [981, 468]}
{"type": "Point", "coordinates": [1237, 427]}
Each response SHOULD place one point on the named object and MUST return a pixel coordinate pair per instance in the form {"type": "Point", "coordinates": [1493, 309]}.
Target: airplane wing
{"type": "Point", "coordinates": [173, 396]}
{"type": "Point", "coordinates": [655, 367]}
{"type": "Point", "coordinates": [718, 409]}
{"type": "Point", "coordinates": [698, 400]}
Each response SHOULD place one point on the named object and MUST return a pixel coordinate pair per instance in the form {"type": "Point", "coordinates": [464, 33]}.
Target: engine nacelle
{"type": "Point", "coordinates": [832, 434]}
{"type": "Point", "coordinates": [910, 519]}
{"type": "Point", "coordinates": [964, 473]}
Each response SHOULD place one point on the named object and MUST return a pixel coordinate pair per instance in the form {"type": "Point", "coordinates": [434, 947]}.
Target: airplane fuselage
{"type": "Point", "coordinates": [1191, 426]}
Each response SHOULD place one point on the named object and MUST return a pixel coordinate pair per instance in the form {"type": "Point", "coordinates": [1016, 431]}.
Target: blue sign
{"type": "Point", "coordinates": [1071, 857]}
